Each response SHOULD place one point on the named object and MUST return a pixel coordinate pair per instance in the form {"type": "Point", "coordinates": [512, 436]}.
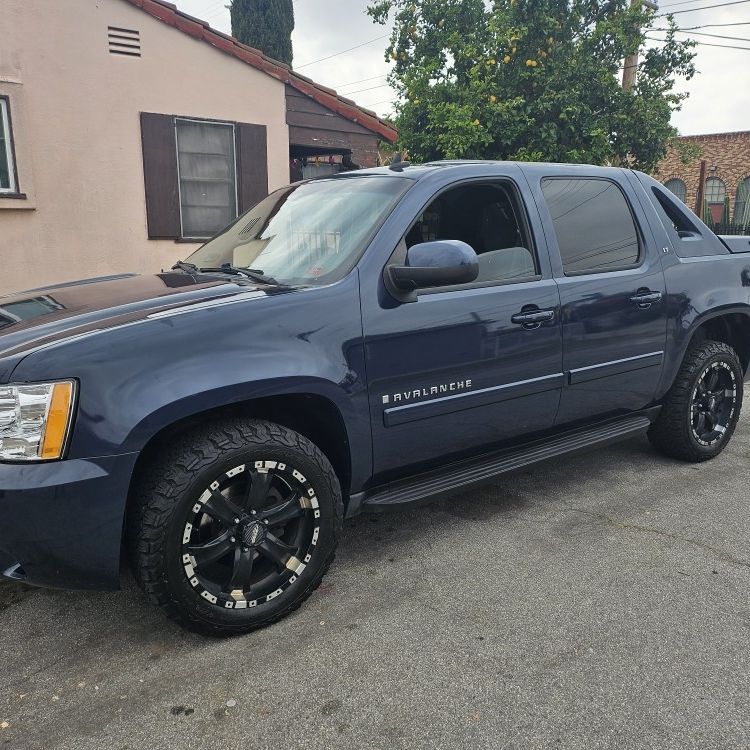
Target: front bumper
{"type": "Point", "coordinates": [61, 522]}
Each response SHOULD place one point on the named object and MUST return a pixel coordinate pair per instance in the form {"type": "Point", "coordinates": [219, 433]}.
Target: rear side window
{"type": "Point", "coordinates": [593, 223]}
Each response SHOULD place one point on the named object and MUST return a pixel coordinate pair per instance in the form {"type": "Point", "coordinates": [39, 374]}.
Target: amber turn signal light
{"type": "Point", "coordinates": [58, 420]}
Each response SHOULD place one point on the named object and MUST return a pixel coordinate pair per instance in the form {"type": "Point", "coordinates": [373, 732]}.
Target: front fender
{"type": "Point", "coordinates": [137, 379]}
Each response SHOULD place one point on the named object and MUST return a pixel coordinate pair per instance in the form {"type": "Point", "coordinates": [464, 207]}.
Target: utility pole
{"type": "Point", "coordinates": [631, 61]}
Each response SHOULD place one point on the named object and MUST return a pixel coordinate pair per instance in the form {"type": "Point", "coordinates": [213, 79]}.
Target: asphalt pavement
{"type": "Point", "coordinates": [598, 601]}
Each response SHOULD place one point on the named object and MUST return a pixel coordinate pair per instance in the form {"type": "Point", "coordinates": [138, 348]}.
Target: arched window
{"type": "Point", "coordinates": [716, 192]}
{"type": "Point", "coordinates": [677, 187]}
{"type": "Point", "coordinates": [742, 203]}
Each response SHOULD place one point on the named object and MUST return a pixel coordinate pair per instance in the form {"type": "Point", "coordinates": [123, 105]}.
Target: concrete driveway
{"type": "Point", "coordinates": [601, 601]}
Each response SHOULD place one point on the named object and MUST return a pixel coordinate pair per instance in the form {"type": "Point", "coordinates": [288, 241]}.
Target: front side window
{"type": "Point", "coordinates": [677, 187]}
{"type": "Point", "coordinates": [207, 176]}
{"type": "Point", "coordinates": [486, 217]}
{"type": "Point", "coordinates": [594, 225]}
{"type": "Point", "coordinates": [7, 167]}
{"type": "Point", "coordinates": [309, 233]}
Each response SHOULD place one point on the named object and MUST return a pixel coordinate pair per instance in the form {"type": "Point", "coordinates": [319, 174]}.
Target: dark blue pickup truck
{"type": "Point", "coordinates": [357, 342]}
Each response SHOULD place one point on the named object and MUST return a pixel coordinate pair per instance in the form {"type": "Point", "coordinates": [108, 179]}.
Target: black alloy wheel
{"type": "Point", "coordinates": [713, 403]}
{"type": "Point", "coordinates": [700, 411]}
{"type": "Point", "coordinates": [234, 525]}
{"type": "Point", "coordinates": [250, 534]}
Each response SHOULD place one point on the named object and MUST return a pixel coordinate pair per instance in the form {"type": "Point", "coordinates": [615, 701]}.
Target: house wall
{"type": "Point", "coordinates": [75, 111]}
{"type": "Point", "coordinates": [729, 153]}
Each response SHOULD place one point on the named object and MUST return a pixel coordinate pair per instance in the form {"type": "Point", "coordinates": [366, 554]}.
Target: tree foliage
{"type": "Point", "coordinates": [532, 80]}
{"type": "Point", "coordinates": [266, 25]}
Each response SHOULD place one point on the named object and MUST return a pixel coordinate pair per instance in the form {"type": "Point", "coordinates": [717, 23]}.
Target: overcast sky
{"type": "Point", "coordinates": [719, 94]}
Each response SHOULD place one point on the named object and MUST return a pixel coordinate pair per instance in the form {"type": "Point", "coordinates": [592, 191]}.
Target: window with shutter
{"type": "Point", "coordinates": [200, 174]}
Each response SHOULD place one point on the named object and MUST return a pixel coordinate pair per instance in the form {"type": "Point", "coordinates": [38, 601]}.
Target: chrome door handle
{"type": "Point", "coordinates": [645, 298]}
{"type": "Point", "coordinates": [533, 318]}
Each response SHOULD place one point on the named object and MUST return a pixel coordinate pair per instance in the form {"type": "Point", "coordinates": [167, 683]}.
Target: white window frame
{"type": "Point", "coordinates": [179, 176]}
{"type": "Point", "coordinates": [8, 140]}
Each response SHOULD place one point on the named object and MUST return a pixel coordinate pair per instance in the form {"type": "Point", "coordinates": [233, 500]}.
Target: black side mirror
{"type": "Point", "coordinates": [430, 264]}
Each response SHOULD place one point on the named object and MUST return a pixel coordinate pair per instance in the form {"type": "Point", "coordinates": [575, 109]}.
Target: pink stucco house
{"type": "Point", "coordinates": [128, 128]}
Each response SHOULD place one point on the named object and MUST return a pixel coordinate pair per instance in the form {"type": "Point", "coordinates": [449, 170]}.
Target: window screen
{"type": "Point", "coordinates": [7, 176]}
{"type": "Point", "coordinates": [207, 176]}
{"type": "Point", "coordinates": [593, 223]}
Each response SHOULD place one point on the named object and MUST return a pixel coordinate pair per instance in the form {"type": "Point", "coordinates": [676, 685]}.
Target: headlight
{"type": "Point", "coordinates": [35, 420]}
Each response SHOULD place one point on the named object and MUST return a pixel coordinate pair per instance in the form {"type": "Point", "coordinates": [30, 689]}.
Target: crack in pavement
{"type": "Point", "coordinates": [720, 554]}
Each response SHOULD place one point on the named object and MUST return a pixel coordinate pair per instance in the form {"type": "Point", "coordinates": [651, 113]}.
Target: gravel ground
{"type": "Point", "coordinates": [599, 601]}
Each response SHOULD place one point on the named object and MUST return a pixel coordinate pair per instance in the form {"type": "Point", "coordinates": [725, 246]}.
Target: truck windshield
{"type": "Point", "coordinates": [311, 233]}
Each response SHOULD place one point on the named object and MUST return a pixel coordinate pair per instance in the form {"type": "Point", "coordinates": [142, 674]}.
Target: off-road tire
{"type": "Point", "coordinates": [671, 433]}
{"type": "Point", "coordinates": [167, 489]}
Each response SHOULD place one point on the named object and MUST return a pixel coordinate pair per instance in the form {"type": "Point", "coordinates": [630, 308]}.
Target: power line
{"type": "Point", "coordinates": [361, 80]}
{"type": "Point", "coordinates": [713, 36]}
{"type": "Point", "coordinates": [360, 91]}
{"type": "Point", "coordinates": [703, 7]}
{"type": "Point", "coordinates": [682, 2]}
{"type": "Point", "coordinates": [705, 44]}
{"type": "Point", "coordinates": [356, 46]}
{"type": "Point", "coordinates": [712, 25]}
{"type": "Point", "coordinates": [375, 104]}
{"type": "Point", "coordinates": [214, 9]}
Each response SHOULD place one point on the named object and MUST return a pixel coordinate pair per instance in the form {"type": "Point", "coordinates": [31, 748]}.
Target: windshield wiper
{"type": "Point", "coordinates": [253, 274]}
{"type": "Point", "coordinates": [249, 273]}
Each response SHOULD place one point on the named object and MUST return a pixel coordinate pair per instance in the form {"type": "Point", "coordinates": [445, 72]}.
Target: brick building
{"type": "Point", "coordinates": [720, 172]}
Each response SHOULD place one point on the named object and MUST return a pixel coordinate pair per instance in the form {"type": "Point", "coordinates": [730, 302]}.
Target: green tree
{"type": "Point", "coordinates": [266, 25]}
{"type": "Point", "coordinates": [531, 80]}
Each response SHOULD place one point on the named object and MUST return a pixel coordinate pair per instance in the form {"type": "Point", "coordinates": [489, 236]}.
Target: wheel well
{"type": "Point", "coordinates": [313, 416]}
{"type": "Point", "coordinates": [732, 329]}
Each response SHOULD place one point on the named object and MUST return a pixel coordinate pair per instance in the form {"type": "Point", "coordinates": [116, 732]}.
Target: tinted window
{"type": "Point", "coordinates": [486, 217]}
{"type": "Point", "coordinates": [595, 229]}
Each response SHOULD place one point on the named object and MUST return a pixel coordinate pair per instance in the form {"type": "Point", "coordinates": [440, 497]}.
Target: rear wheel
{"type": "Point", "coordinates": [701, 410]}
{"type": "Point", "coordinates": [235, 526]}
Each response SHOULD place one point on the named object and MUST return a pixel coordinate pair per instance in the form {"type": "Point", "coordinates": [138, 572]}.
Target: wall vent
{"type": "Point", "coordinates": [124, 41]}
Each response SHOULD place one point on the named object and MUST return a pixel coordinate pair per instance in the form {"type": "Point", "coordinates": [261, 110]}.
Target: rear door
{"type": "Point", "coordinates": [612, 294]}
{"type": "Point", "coordinates": [458, 370]}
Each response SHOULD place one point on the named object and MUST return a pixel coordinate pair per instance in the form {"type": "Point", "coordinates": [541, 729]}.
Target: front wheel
{"type": "Point", "coordinates": [235, 526]}
{"type": "Point", "coordinates": [701, 410]}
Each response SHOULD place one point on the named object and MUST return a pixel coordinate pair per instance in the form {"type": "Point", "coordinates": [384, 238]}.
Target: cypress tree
{"type": "Point", "coordinates": [266, 25]}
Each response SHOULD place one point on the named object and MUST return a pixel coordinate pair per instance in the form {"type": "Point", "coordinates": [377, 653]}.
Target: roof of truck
{"type": "Point", "coordinates": [417, 171]}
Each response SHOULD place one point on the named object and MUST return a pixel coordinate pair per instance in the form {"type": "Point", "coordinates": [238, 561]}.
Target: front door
{"type": "Point", "coordinates": [612, 298]}
{"type": "Point", "coordinates": [459, 370]}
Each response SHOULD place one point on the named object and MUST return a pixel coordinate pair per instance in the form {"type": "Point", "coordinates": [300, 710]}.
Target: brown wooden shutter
{"type": "Point", "coordinates": [160, 176]}
{"type": "Point", "coordinates": [252, 164]}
